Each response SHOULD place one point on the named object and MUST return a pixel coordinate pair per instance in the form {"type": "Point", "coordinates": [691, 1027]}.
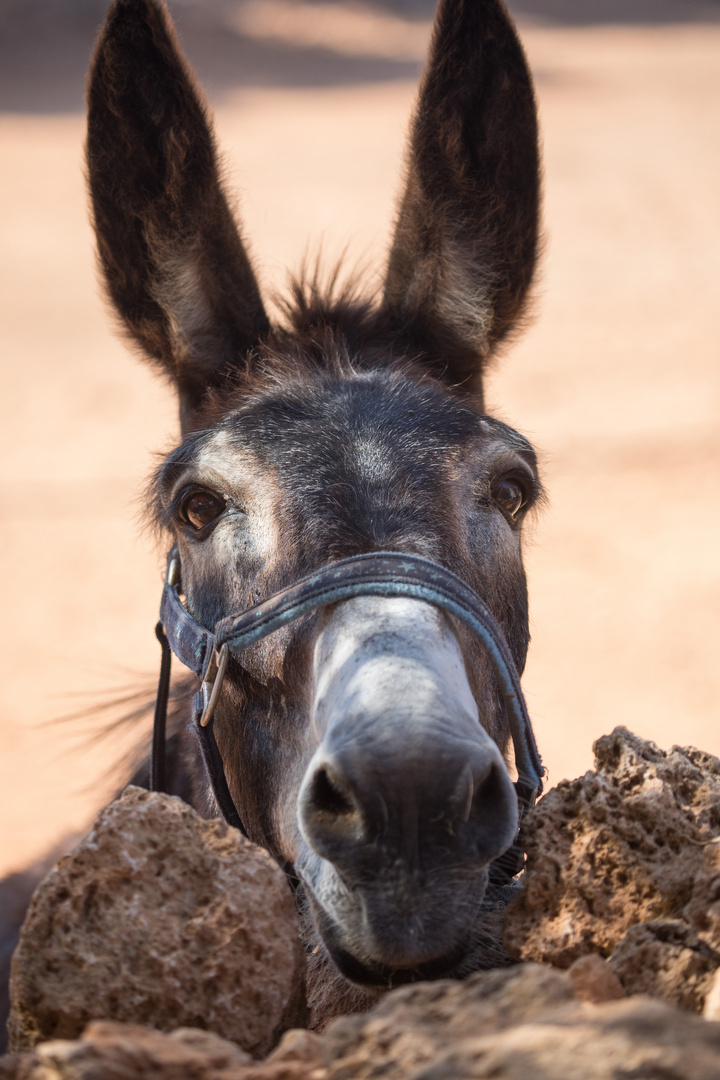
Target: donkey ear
{"type": "Point", "coordinates": [467, 234]}
{"type": "Point", "coordinates": [174, 265]}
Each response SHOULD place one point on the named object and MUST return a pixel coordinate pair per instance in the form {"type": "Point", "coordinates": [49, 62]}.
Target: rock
{"type": "Point", "coordinates": [711, 1008]}
{"type": "Point", "coordinates": [702, 911]}
{"type": "Point", "coordinates": [300, 1047]}
{"type": "Point", "coordinates": [117, 1051]}
{"type": "Point", "coordinates": [629, 843]}
{"type": "Point", "coordinates": [114, 1051]}
{"type": "Point", "coordinates": [517, 1023]}
{"type": "Point", "coordinates": [594, 980]}
{"type": "Point", "coordinates": [409, 1027]}
{"type": "Point", "coordinates": [666, 960]}
{"type": "Point", "coordinates": [160, 918]}
{"type": "Point", "coordinates": [510, 1024]}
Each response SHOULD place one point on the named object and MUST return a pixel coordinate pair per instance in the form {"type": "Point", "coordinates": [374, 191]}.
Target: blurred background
{"type": "Point", "coordinates": [617, 382]}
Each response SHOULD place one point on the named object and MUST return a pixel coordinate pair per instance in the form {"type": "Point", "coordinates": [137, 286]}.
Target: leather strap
{"type": "Point", "coordinates": [157, 757]}
{"type": "Point", "coordinates": [191, 642]}
{"type": "Point", "coordinates": [216, 772]}
{"type": "Point", "coordinates": [384, 573]}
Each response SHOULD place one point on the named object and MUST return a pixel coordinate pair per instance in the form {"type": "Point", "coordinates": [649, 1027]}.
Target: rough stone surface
{"type": "Point", "coordinates": [711, 1008]}
{"type": "Point", "coordinates": [116, 1051]}
{"type": "Point", "coordinates": [110, 1050]}
{"type": "Point", "coordinates": [162, 918]}
{"type": "Point", "coordinates": [629, 843]}
{"type": "Point", "coordinates": [666, 960]}
{"type": "Point", "coordinates": [594, 980]}
{"type": "Point", "coordinates": [509, 1024]}
{"type": "Point", "coordinates": [516, 1024]}
{"type": "Point", "coordinates": [410, 1026]}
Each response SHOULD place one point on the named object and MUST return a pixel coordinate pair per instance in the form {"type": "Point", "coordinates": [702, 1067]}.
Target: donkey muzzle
{"type": "Point", "coordinates": [406, 788]}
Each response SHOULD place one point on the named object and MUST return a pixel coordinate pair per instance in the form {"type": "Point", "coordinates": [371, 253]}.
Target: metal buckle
{"type": "Point", "coordinates": [172, 571]}
{"type": "Point", "coordinates": [212, 683]}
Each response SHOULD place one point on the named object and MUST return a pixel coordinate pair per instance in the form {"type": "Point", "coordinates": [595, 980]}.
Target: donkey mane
{"type": "Point", "coordinates": [329, 329]}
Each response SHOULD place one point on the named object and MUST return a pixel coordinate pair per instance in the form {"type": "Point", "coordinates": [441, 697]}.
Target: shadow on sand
{"type": "Point", "coordinates": [45, 45]}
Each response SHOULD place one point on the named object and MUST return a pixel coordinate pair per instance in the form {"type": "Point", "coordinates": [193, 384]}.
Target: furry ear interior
{"type": "Point", "coordinates": [466, 241]}
{"type": "Point", "coordinates": [173, 262]}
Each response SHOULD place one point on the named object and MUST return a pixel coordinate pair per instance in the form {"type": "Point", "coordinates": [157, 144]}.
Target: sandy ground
{"type": "Point", "coordinates": [617, 382]}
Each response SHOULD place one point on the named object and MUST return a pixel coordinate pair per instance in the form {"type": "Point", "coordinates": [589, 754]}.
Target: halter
{"type": "Point", "coordinates": [383, 573]}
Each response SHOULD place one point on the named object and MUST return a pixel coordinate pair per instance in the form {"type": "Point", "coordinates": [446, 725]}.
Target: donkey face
{"type": "Point", "coordinates": [363, 744]}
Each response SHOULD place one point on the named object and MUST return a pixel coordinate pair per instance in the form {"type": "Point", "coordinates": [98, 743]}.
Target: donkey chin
{"type": "Point", "coordinates": [407, 799]}
{"type": "Point", "coordinates": [390, 934]}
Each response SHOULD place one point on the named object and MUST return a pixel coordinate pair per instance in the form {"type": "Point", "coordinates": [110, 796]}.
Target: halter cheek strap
{"type": "Point", "coordinates": [383, 573]}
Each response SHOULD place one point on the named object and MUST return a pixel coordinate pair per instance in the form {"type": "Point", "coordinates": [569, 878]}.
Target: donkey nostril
{"type": "Point", "coordinates": [328, 797]}
{"type": "Point", "coordinates": [493, 812]}
{"type": "Point", "coordinates": [464, 793]}
{"type": "Point", "coordinates": [330, 817]}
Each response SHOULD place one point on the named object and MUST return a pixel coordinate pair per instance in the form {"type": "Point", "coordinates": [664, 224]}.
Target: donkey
{"type": "Point", "coordinates": [365, 743]}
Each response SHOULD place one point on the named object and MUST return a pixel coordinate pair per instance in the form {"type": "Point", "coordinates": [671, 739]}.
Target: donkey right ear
{"type": "Point", "coordinates": [466, 243]}
{"type": "Point", "coordinates": [173, 261]}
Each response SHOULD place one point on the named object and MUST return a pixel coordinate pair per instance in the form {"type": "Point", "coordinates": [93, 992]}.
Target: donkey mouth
{"type": "Point", "coordinates": [360, 957]}
{"type": "Point", "coordinates": [371, 973]}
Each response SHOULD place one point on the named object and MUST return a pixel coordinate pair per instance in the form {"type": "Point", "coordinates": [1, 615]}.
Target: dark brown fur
{"type": "Point", "coordinates": [467, 233]}
{"type": "Point", "coordinates": [159, 209]}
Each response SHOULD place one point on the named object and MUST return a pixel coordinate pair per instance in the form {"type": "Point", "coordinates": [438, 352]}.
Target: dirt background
{"type": "Point", "coordinates": [617, 382]}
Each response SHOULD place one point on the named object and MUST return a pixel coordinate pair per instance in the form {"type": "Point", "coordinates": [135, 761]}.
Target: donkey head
{"type": "Point", "coordinates": [364, 744]}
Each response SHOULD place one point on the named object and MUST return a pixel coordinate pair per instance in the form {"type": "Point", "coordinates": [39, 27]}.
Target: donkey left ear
{"type": "Point", "coordinates": [173, 261]}
{"type": "Point", "coordinates": [466, 242]}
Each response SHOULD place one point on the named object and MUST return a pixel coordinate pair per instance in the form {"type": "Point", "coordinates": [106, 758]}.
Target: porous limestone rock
{"type": "Point", "coordinates": [117, 1051]}
{"type": "Point", "coordinates": [594, 980]}
{"type": "Point", "coordinates": [112, 1050]}
{"type": "Point", "coordinates": [510, 1024]}
{"type": "Point", "coordinates": [411, 1026]}
{"type": "Point", "coordinates": [631, 842]}
{"type": "Point", "coordinates": [515, 1024]}
{"type": "Point", "coordinates": [164, 919]}
{"type": "Point", "coordinates": [666, 960]}
{"type": "Point", "coordinates": [711, 1008]}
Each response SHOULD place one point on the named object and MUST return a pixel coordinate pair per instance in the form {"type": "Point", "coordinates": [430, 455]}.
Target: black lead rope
{"type": "Point", "coordinates": [158, 780]}
{"type": "Point", "coordinates": [385, 573]}
{"type": "Point", "coordinates": [216, 772]}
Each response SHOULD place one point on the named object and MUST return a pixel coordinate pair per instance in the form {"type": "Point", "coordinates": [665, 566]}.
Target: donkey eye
{"type": "Point", "coordinates": [509, 496]}
{"type": "Point", "coordinates": [201, 508]}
